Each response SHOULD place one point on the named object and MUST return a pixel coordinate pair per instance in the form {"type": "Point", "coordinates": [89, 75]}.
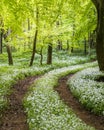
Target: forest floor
{"type": "Point", "coordinates": [14, 118]}
{"type": "Point", "coordinates": [89, 118]}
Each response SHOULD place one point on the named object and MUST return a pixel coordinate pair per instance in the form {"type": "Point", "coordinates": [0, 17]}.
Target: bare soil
{"type": "Point", "coordinates": [88, 117]}
{"type": "Point", "coordinates": [14, 118]}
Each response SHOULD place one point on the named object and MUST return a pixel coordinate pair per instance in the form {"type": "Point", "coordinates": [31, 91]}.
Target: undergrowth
{"type": "Point", "coordinates": [9, 75]}
{"type": "Point", "coordinates": [44, 108]}
{"type": "Point", "coordinates": [86, 87]}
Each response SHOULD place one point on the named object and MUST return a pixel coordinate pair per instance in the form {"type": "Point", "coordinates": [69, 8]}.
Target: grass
{"type": "Point", "coordinates": [9, 75]}
{"type": "Point", "coordinates": [22, 59]}
{"type": "Point", "coordinates": [44, 108]}
{"type": "Point", "coordinates": [85, 86]}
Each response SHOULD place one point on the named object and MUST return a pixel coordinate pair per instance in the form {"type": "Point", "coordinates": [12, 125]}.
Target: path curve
{"type": "Point", "coordinates": [14, 118]}
{"type": "Point", "coordinates": [88, 117]}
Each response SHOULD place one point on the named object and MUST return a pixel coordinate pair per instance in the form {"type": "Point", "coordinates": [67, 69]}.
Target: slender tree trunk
{"type": "Point", "coordinates": [9, 52]}
{"type": "Point", "coordinates": [34, 48]}
{"type": "Point", "coordinates": [67, 45]}
{"type": "Point", "coordinates": [41, 55]}
{"type": "Point", "coordinates": [10, 59]}
{"type": "Point", "coordinates": [35, 39]}
{"type": "Point", "coordinates": [1, 41]}
{"type": "Point", "coordinates": [72, 49]}
{"type": "Point", "coordinates": [89, 42]}
{"type": "Point", "coordinates": [85, 46]}
{"type": "Point", "coordinates": [49, 54]}
{"type": "Point", "coordinates": [100, 33]}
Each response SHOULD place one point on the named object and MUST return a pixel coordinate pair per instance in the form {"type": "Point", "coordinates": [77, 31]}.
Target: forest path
{"type": "Point", "coordinates": [88, 117]}
{"type": "Point", "coordinates": [14, 118]}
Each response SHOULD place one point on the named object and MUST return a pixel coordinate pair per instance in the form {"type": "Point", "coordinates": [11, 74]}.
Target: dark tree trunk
{"type": "Point", "coordinates": [10, 59]}
{"type": "Point", "coordinates": [1, 41]}
{"type": "Point", "coordinates": [35, 38]}
{"type": "Point", "coordinates": [85, 46]}
{"type": "Point", "coordinates": [9, 52]}
{"type": "Point", "coordinates": [100, 39]}
{"type": "Point", "coordinates": [34, 48]}
{"type": "Point", "coordinates": [41, 55]}
{"type": "Point", "coordinates": [72, 49]}
{"type": "Point", "coordinates": [49, 54]}
{"type": "Point", "coordinates": [100, 33]}
{"type": "Point", "coordinates": [89, 43]}
{"type": "Point", "coordinates": [67, 45]}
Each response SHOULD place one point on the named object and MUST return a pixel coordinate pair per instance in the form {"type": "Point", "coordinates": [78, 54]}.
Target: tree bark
{"type": "Point", "coordinates": [41, 55]}
{"type": "Point", "coordinates": [1, 41]}
{"type": "Point", "coordinates": [67, 45]}
{"type": "Point", "coordinates": [34, 48]}
{"type": "Point", "coordinates": [89, 43]}
{"type": "Point", "coordinates": [49, 54]}
{"type": "Point", "coordinates": [100, 39]}
{"type": "Point", "coordinates": [35, 38]}
{"type": "Point", "coordinates": [9, 52]}
{"type": "Point", "coordinates": [99, 4]}
{"type": "Point", "coordinates": [10, 59]}
{"type": "Point", "coordinates": [85, 46]}
{"type": "Point", "coordinates": [72, 49]}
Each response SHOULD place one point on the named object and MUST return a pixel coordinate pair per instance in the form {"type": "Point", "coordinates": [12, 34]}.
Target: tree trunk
{"type": "Point", "coordinates": [1, 41]}
{"type": "Point", "coordinates": [41, 55]}
{"type": "Point", "coordinates": [72, 45]}
{"type": "Point", "coordinates": [89, 43]}
{"type": "Point", "coordinates": [49, 54]}
{"type": "Point", "coordinates": [100, 33]}
{"type": "Point", "coordinates": [72, 49]}
{"type": "Point", "coordinates": [34, 48]}
{"type": "Point", "coordinates": [35, 38]}
{"type": "Point", "coordinates": [85, 46]}
{"type": "Point", "coordinates": [10, 59]}
{"type": "Point", "coordinates": [100, 39]}
{"type": "Point", "coordinates": [67, 45]}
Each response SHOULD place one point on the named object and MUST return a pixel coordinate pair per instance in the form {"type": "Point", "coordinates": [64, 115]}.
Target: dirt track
{"type": "Point", "coordinates": [14, 118]}
{"type": "Point", "coordinates": [88, 117]}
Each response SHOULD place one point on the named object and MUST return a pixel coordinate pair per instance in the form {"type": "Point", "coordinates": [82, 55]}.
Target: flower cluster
{"type": "Point", "coordinates": [85, 86]}
{"type": "Point", "coordinates": [44, 108]}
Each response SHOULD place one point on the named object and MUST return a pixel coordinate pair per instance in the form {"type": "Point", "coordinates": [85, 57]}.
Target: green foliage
{"type": "Point", "coordinates": [76, 19]}
{"type": "Point", "coordinates": [88, 90]}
